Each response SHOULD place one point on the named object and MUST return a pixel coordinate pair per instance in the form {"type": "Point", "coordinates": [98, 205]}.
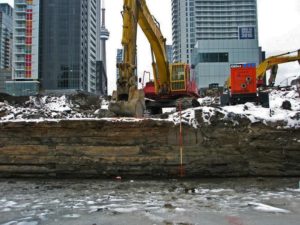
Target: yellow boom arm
{"type": "Point", "coordinates": [136, 12]}
{"type": "Point", "coordinates": [272, 63]}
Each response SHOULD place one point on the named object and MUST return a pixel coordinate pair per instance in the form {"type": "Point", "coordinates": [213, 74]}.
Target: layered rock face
{"type": "Point", "coordinates": [147, 148]}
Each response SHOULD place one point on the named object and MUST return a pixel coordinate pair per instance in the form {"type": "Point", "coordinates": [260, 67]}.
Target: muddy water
{"type": "Point", "coordinates": [257, 201]}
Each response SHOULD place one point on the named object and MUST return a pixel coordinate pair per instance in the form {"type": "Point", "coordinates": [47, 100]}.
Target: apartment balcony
{"type": "Point", "coordinates": [20, 18]}
{"type": "Point", "coordinates": [224, 4]}
{"type": "Point", "coordinates": [19, 68]}
{"type": "Point", "coordinates": [18, 43]}
{"type": "Point", "coordinates": [20, 35]}
{"type": "Point", "coordinates": [20, 10]}
{"type": "Point", "coordinates": [225, 15]}
{"type": "Point", "coordinates": [20, 2]}
{"type": "Point", "coordinates": [224, 9]}
{"type": "Point", "coordinates": [20, 60]}
{"type": "Point", "coordinates": [20, 53]}
{"type": "Point", "coordinates": [20, 27]}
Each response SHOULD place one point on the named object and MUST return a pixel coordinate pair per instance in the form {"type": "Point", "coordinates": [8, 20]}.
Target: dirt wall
{"type": "Point", "coordinates": [95, 148]}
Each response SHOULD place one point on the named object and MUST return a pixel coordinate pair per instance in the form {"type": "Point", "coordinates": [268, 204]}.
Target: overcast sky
{"type": "Point", "coordinates": [278, 23]}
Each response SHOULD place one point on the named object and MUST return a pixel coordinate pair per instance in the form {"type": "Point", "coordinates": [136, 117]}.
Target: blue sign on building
{"type": "Point", "coordinates": [246, 33]}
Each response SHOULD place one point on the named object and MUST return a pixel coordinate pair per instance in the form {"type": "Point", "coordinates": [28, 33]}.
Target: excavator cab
{"type": "Point", "coordinates": [180, 74]}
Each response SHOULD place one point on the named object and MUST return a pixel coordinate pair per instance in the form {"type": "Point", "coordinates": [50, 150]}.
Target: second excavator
{"type": "Point", "coordinates": [246, 82]}
{"type": "Point", "coordinates": [171, 83]}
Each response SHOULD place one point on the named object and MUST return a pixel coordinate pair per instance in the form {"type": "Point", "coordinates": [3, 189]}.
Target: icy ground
{"type": "Point", "coordinates": [173, 202]}
{"type": "Point", "coordinates": [60, 108]}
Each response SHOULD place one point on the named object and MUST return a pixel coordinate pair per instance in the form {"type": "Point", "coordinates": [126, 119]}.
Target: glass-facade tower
{"type": "Point", "coordinates": [26, 40]}
{"type": "Point", "coordinates": [194, 20]}
{"type": "Point", "coordinates": [212, 34]}
{"type": "Point", "coordinates": [69, 44]}
{"type": "Point", "coordinates": [6, 31]}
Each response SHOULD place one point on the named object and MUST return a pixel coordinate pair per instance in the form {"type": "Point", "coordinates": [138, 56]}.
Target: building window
{"type": "Point", "coordinates": [213, 57]}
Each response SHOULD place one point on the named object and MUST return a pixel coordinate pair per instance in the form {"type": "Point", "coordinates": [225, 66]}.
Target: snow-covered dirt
{"type": "Point", "coordinates": [63, 107]}
{"type": "Point", "coordinates": [274, 116]}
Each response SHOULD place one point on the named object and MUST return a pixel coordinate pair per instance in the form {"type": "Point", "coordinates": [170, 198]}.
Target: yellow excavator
{"type": "Point", "coordinates": [171, 81]}
{"type": "Point", "coordinates": [272, 63]}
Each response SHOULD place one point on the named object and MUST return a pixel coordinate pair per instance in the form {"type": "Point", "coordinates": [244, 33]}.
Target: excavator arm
{"type": "Point", "coordinates": [127, 80]}
{"type": "Point", "coordinates": [128, 99]}
{"type": "Point", "coordinates": [136, 12]}
{"type": "Point", "coordinates": [151, 29]}
{"type": "Point", "coordinates": [272, 63]}
{"type": "Point", "coordinates": [171, 81]}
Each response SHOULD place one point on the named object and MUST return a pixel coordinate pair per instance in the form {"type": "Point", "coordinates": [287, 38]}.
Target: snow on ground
{"type": "Point", "coordinates": [274, 115]}
{"type": "Point", "coordinates": [267, 208]}
{"type": "Point", "coordinates": [58, 108]}
{"type": "Point", "coordinates": [46, 107]}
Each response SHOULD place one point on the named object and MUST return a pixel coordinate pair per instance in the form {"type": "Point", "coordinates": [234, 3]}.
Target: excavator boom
{"type": "Point", "coordinates": [272, 63]}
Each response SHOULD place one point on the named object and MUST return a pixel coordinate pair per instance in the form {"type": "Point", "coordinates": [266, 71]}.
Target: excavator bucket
{"type": "Point", "coordinates": [134, 107]}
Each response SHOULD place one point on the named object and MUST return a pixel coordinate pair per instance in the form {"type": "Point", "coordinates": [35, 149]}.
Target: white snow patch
{"type": "Point", "coordinates": [21, 205]}
{"type": "Point", "coordinates": [28, 223]}
{"type": "Point", "coordinates": [56, 201]}
{"type": "Point", "coordinates": [185, 117]}
{"type": "Point", "coordinates": [5, 210]}
{"type": "Point", "coordinates": [168, 110]}
{"type": "Point", "coordinates": [90, 202]}
{"type": "Point", "coordinates": [104, 104]}
{"type": "Point", "coordinates": [71, 216]}
{"type": "Point", "coordinates": [293, 190]}
{"type": "Point", "coordinates": [10, 204]}
{"type": "Point", "coordinates": [125, 210]}
{"type": "Point", "coordinates": [43, 216]}
{"type": "Point", "coordinates": [267, 208]}
{"type": "Point", "coordinates": [10, 223]}
{"type": "Point", "coordinates": [180, 209]}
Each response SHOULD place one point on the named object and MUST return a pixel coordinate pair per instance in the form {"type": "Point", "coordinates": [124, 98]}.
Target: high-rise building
{"type": "Point", "coordinates": [25, 63]}
{"type": "Point", "coordinates": [26, 40]}
{"type": "Point", "coordinates": [101, 63]}
{"type": "Point", "coordinates": [213, 34]}
{"type": "Point", "coordinates": [5, 75]}
{"type": "Point", "coordinates": [56, 45]}
{"type": "Point", "coordinates": [104, 35]}
{"type": "Point", "coordinates": [119, 59]}
{"type": "Point", "coordinates": [170, 53]}
{"type": "Point", "coordinates": [6, 30]}
{"type": "Point", "coordinates": [7, 9]}
{"type": "Point", "coordinates": [68, 45]}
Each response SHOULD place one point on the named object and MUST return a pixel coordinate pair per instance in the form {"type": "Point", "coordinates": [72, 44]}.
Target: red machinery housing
{"type": "Point", "coordinates": [181, 87]}
{"type": "Point", "coordinates": [243, 79]}
{"type": "Point", "coordinates": [243, 86]}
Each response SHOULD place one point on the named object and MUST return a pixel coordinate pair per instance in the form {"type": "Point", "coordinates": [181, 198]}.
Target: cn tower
{"type": "Point", "coordinates": [104, 35]}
